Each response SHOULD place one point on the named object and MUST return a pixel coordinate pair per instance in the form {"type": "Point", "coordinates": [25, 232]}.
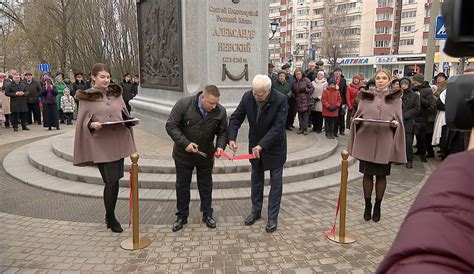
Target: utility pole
{"type": "Point", "coordinates": [430, 52]}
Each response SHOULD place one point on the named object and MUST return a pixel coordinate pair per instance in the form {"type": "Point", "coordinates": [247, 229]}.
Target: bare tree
{"type": "Point", "coordinates": [72, 35]}
{"type": "Point", "coordinates": [334, 35]}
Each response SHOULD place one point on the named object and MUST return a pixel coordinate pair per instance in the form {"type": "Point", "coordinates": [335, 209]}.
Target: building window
{"type": "Point", "coordinates": [383, 30]}
{"type": "Point", "coordinates": [428, 13]}
{"type": "Point", "coordinates": [301, 2]}
{"type": "Point", "coordinates": [317, 1]}
{"type": "Point", "coordinates": [318, 11]}
{"type": "Point", "coordinates": [408, 29]}
{"type": "Point", "coordinates": [406, 2]}
{"type": "Point", "coordinates": [352, 31]}
{"type": "Point", "coordinates": [301, 24]}
{"type": "Point", "coordinates": [303, 12]}
{"type": "Point", "coordinates": [425, 42]}
{"type": "Point", "coordinates": [426, 28]}
{"type": "Point", "coordinates": [385, 3]}
{"type": "Point", "coordinates": [407, 42]}
{"type": "Point", "coordinates": [275, 10]}
{"type": "Point", "coordinates": [409, 14]}
{"type": "Point", "coordinates": [382, 44]}
{"type": "Point", "coordinates": [274, 1]}
{"type": "Point", "coordinates": [384, 16]}
{"type": "Point", "coordinates": [301, 35]}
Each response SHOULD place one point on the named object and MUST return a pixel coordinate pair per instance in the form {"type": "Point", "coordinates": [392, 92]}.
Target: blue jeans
{"type": "Point", "coordinates": [274, 198]}
{"type": "Point", "coordinates": [183, 189]}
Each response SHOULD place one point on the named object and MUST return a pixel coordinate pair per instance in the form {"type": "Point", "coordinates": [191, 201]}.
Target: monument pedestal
{"type": "Point", "coordinates": [187, 45]}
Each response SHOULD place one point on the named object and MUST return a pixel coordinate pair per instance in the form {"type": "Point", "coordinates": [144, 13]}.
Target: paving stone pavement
{"type": "Point", "coordinates": [51, 232]}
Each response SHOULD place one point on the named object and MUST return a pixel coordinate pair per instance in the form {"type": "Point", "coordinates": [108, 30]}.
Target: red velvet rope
{"type": "Point", "coordinates": [333, 230]}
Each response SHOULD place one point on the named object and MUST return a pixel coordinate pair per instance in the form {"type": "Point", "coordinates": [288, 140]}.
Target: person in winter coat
{"type": "Point", "coordinates": [281, 84]}
{"type": "Point", "coordinates": [104, 145]}
{"type": "Point", "coordinates": [311, 72]}
{"type": "Point", "coordinates": [18, 105]}
{"type": "Point", "coordinates": [194, 123]}
{"type": "Point", "coordinates": [34, 90]}
{"type": "Point", "coordinates": [351, 95]}
{"type": "Point", "coordinates": [67, 106]}
{"type": "Point", "coordinates": [60, 86]}
{"type": "Point", "coordinates": [319, 85]}
{"type": "Point", "coordinates": [331, 102]}
{"type": "Point", "coordinates": [5, 101]}
{"type": "Point", "coordinates": [302, 90]}
{"type": "Point", "coordinates": [128, 90]}
{"type": "Point", "coordinates": [436, 235]}
{"type": "Point", "coordinates": [342, 87]}
{"type": "Point", "coordinates": [377, 144]}
{"type": "Point", "coordinates": [291, 100]}
{"type": "Point", "coordinates": [424, 118]}
{"type": "Point", "coordinates": [50, 111]}
{"type": "Point", "coordinates": [410, 109]}
{"type": "Point", "coordinates": [266, 111]}
{"type": "Point", "coordinates": [79, 84]}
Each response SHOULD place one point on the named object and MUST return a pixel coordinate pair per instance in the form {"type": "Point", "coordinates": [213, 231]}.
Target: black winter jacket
{"type": "Point", "coordinates": [186, 125]}
{"type": "Point", "coordinates": [410, 108]}
{"type": "Point", "coordinates": [426, 101]}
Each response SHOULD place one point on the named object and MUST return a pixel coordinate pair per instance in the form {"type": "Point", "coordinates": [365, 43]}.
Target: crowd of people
{"type": "Point", "coordinates": [49, 101]}
{"type": "Point", "coordinates": [321, 98]}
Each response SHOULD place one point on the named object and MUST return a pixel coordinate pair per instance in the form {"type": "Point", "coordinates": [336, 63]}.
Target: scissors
{"type": "Point", "coordinates": [202, 154]}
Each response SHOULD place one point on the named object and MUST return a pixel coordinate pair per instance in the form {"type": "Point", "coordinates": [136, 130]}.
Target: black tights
{"type": "Point", "coordinates": [110, 197]}
{"type": "Point", "coordinates": [368, 185]}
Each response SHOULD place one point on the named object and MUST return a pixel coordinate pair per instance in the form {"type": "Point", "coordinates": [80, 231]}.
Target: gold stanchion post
{"type": "Point", "coordinates": [135, 242]}
{"type": "Point", "coordinates": [342, 236]}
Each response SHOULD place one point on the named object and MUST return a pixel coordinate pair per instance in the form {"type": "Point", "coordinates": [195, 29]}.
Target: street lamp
{"type": "Point", "coordinates": [273, 26]}
{"type": "Point", "coordinates": [336, 54]}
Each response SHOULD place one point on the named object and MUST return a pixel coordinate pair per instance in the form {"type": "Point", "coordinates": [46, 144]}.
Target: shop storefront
{"type": "Point", "coordinates": [399, 65]}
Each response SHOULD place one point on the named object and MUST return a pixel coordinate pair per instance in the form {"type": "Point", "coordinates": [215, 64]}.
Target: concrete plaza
{"type": "Point", "coordinates": [49, 232]}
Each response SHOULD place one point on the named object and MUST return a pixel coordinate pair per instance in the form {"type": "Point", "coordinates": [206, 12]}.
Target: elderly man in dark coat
{"type": "Point", "coordinates": [410, 109]}
{"type": "Point", "coordinates": [18, 106]}
{"type": "Point", "coordinates": [266, 111]}
{"type": "Point", "coordinates": [34, 89]}
{"type": "Point", "coordinates": [193, 124]}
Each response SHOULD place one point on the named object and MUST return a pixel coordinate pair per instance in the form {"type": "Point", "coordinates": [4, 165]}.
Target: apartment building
{"type": "Point", "coordinates": [366, 34]}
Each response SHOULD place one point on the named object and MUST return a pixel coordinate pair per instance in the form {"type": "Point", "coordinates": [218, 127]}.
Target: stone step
{"type": "Point", "coordinates": [323, 148]}
{"type": "Point", "coordinates": [17, 165]}
{"type": "Point", "coordinates": [41, 156]}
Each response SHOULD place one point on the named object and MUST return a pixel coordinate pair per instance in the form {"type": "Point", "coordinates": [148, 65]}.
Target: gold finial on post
{"type": "Point", "coordinates": [342, 236]}
{"type": "Point", "coordinates": [135, 242]}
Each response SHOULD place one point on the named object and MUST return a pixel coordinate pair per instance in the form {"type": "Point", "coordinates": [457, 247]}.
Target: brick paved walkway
{"type": "Point", "coordinates": [43, 231]}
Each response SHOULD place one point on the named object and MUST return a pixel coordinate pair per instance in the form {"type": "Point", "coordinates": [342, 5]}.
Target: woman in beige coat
{"type": "Point", "coordinates": [104, 145]}
{"type": "Point", "coordinates": [5, 101]}
{"type": "Point", "coordinates": [376, 145]}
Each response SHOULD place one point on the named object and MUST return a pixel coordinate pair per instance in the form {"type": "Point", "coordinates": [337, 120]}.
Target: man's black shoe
{"type": "Point", "coordinates": [15, 129]}
{"type": "Point", "coordinates": [178, 225]}
{"type": "Point", "coordinates": [423, 158]}
{"type": "Point", "coordinates": [25, 128]}
{"type": "Point", "coordinates": [409, 165]}
{"type": "Point", "coordinates": [271, 225]}
{"type": "Point", "coordinates": [210, 222]}
{"type": "Point", "coordinates": [430, 155]}
{"type": "Point", "coordinates": [250, 220]}
{"type": "Point", "coordinates": [288, 128]}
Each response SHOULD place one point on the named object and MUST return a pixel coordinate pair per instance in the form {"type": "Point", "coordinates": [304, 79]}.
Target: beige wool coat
{"type": "Point", "coordinates": [111, 142]}
{"type": "Point", "coordinates": [4, 100]}
{"type": "Point", "coordinates": [376, 142]}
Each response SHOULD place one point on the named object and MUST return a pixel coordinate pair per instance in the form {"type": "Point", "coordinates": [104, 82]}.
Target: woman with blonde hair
{"type": "Point", "coordinates": [377, 142]}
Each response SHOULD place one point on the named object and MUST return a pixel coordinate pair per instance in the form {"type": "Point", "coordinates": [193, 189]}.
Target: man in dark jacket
{"type": "Point", "coordinates": [425, 132]}
{"type": "Point", "coordinates": [18, 106]}
{"type": "Point", "coordinates": [34, 89]}
{"type": "Point", "coordinates": [311, 71]}
{"type": "Point", "coordinates": [410, 109]}
{"type": "Point", "coordinates": [342, 85]}
{"type": "Point", "coordinates": [128, 90]}
{"type": "Point", "coordinates": [266, 111]}
{"type": "Point", "coordinates": [193, 124]}
{"type": "Point", "coordinates": [291, 100]}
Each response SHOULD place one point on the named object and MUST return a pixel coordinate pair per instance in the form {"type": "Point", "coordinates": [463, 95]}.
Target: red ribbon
{"type": "Point", "coordinates": [131, 198]}
{"type": "Point", "coordinates": [333, 230]}
{"type": "Point", "coordinates": [238, 157]}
